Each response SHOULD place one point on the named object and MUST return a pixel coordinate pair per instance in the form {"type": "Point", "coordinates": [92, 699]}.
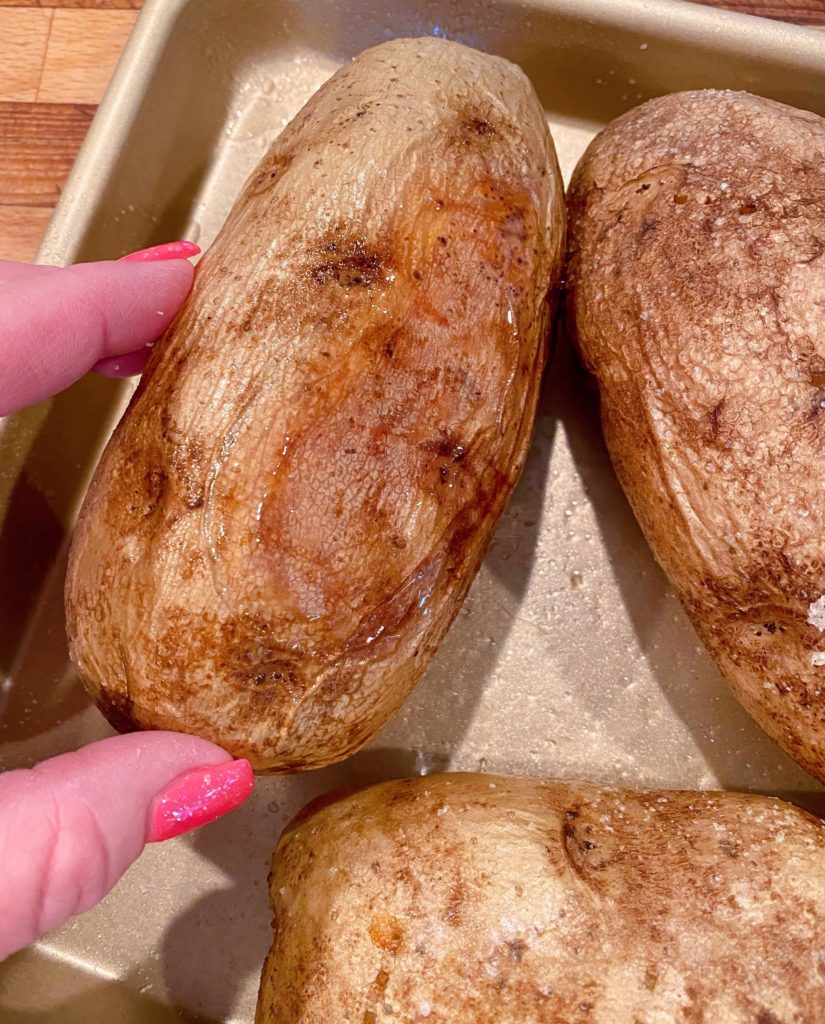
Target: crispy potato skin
{"type": "Point", "coordinates": [478, 899]}
{"type": "Point", "coordinates": [696, 295]}
{"type": "Point", "coordinates": [292, 509]}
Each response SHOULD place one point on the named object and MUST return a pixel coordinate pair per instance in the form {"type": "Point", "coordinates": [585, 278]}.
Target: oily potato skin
{"type": "Point", "coordinates": [696, 295]}
{"type": "Point", "coordinates": [479, 899]}
{"type": "Point", "coordinates": [290, 513]}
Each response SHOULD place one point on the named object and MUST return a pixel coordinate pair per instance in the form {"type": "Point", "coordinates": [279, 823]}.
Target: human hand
{"type": "Point", "coordinates": [57, 323]}
{"type": "Point", "coordinates": [71, 826]}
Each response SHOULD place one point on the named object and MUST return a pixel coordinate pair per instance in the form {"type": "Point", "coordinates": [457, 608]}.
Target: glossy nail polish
{"type": "Point", "coordinates": [198, 797]}
{"type": "Point", "coordinates": [168, 251]}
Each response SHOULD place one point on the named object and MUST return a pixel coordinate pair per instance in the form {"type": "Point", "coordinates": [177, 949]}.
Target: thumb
{"type": "Point", "coordinates": [71, 826]}
{"type": "Point", "coordinates": [57, 323]}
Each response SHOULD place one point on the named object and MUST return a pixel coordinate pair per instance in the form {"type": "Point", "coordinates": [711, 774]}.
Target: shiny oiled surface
{"type": "Point", "coordinates": [298, 498]}
{"type": "Point", "coordinates": [571, 656]}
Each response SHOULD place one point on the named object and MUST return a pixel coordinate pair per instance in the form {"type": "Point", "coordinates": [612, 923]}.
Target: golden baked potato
{"type": "Point", "coordinates": [478, 899]}
{"type": "Point", "coordinates": [696, 295]}
{"type": "Point", "coordinates": [289, 515]}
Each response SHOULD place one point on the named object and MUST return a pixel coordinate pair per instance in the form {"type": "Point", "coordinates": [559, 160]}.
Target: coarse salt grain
{"type": "Point", "coordinates": [816, 613]}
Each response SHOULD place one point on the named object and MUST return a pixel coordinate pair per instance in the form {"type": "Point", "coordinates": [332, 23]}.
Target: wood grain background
{"type": "Point", "coordinates": [56, 57]}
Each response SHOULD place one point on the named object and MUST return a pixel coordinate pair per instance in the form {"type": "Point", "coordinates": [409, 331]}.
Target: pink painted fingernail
{"type": "Point", "coordinates": [198, 797]}
{"type": "Point", "coordinates": [167, 251]}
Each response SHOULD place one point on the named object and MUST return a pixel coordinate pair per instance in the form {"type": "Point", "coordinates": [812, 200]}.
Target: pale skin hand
{"type": "Point", "coordinates": [71, 826]}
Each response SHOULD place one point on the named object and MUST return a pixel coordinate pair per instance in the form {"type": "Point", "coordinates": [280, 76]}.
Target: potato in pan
{"type": "Point", "coordinates": [478, 899]}
{"type": "Point", "coordinates": [696, 295]}
{"type": "Point", "coordinates": [289, 515]}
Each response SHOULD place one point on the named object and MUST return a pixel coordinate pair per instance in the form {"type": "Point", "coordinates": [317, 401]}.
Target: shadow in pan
{"type": "Point", "coordinates": [730, 741]}
{"type": "Point", "coordinates": [41, 692]}
{"type": "Point", "coordinates": [435, 718]}
{"type": "Point", "coordinates": [38, 989]}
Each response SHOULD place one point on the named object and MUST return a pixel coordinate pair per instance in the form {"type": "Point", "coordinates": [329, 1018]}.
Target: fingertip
{"type": "Point", "coordinates": [198, 797]}
{"type": "Point", "coordinates": [70, 827]}
{"type": "Point", "coordinates": [58, 326]}
{"type": "Point", "coordinates": [134, 302]}
{"type": "Point", "coordinates": [158, 288]}
{"type": "Point", "coordinates": [166, 251]}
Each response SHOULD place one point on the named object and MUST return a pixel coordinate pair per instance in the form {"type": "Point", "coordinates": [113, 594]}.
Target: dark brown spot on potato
{"type": "Point", "coordinates": [445, 447]}
{"type": "Point", "coordinates": [767, 1017]}
{"type": "Point", "coordinates": [268, 175]}
{"type": "Point", "coordinates": [715, 417]}
{"type": "Point", "coordinates": [480, 126]}
{"type": "Point", "coordinates": [516, 949]}
{"type": "Point", "coordinates": [155, 480]}
{"type": "Point", "coordinates": [354, 266]}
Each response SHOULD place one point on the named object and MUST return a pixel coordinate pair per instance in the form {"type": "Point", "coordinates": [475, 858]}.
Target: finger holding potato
{"type": "Point", "coordinates": [290, 513]}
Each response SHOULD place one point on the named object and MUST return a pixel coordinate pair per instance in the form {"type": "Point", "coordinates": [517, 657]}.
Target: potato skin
{"type": "Point", "coordinates": [478, 899]}
{"type": "Point", "coordinates": [696, 295]}
{"type": "Point", "coordinates": [290, 513]}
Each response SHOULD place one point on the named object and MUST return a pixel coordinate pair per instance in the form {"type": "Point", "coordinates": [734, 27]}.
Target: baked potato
{"type": "Point", "coordinates": [478, 899]}
{"type": "Point", "coordinates": [696, 295]}
{"type": "Point", "coordinates": [288, 516]}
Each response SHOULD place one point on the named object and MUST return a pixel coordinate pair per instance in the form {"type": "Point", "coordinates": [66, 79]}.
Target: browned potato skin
{"type": "Point", "coordinates": [696, 295]}
{"type": "Point", "coordinates": [290, 513]}
{"type": "Point", "coordinates": [478, 899]}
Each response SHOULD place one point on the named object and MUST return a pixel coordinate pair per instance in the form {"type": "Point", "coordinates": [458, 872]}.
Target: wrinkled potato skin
{"type": "Point", "coordinates": [291, 511]}
{"type": "Point", "coordinates": [478, 899]}
{"type": "Point", "coordinates": [696, 295]}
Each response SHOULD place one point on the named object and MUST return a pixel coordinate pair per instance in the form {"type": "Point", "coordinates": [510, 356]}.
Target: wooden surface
{"type": "Point", "coordinates": [56, 57]}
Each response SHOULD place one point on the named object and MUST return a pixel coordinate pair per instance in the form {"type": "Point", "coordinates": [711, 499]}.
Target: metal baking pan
{"type": "Point", "coordinates": [571, 656]}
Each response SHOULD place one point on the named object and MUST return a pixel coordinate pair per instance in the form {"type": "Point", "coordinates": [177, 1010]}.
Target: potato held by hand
{"type": "Point", "coordinates": [476, 899]}
{"type": "Point", "coordinates": [291, 511]}
{"type": "Point", "coordinates": [697, 298]}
